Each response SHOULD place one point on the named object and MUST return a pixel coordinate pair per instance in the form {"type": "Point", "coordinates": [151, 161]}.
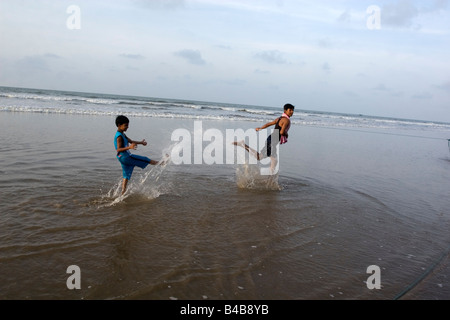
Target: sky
{"type": "Point", "coordinates": [381, 58]}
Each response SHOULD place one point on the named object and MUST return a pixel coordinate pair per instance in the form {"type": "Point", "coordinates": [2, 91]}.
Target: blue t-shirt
{"type": "Point", "coordinates": [125, 142]}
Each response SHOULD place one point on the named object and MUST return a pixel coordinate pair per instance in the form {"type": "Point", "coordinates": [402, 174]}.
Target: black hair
{"type": "Point", "coordinates": [288, 106]}
{"type": "Point", "coordinates": [121, 120]}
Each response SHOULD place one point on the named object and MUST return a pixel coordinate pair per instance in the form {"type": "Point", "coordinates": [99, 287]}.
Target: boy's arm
{"type": "Point", "coordinates": [284, 124]}
{"type": "Point", "coordinates": [143, 142]}
{"type": "Point", "coordinates": [120, 146]}
{"type": "Point", "coordinates": [268, 124]}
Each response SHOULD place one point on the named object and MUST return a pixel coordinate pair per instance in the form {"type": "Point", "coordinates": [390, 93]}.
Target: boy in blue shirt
{"type": "Point", "coordinates": [123, 145]}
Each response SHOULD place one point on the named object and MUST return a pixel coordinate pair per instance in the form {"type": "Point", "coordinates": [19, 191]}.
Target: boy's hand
{"type": "Point", "coordinates": [133, 146]}
{"type": "Point", "coordinates": [144, 142]}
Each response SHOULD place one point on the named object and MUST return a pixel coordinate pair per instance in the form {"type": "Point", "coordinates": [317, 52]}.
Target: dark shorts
{"type": "Point", "coordinates": [128, 163]}
{"type": "Point", "coordinates": [270, 148]}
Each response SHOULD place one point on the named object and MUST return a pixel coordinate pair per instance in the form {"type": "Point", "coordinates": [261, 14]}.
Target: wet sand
{"type": "Point", "coordinates": [343, 200]}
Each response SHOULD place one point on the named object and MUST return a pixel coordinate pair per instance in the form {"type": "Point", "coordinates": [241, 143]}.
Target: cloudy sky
{"type": "Point", "coordinates": [383, 58]}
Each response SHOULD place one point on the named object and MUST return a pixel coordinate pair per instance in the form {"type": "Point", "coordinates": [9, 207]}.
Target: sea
{"type": "Point", "coordinates": [96, 104]}
{"type": "Point", "coordinates": [358, 209]}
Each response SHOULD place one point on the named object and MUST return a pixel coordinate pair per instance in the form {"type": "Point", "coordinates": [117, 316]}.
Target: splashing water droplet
{"type": "Point", "coordinates": [249, 177]}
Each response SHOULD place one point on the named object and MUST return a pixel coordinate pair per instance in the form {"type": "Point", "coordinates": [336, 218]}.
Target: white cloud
{"type": "Point", "coordinates": [400, 14]}
{"type": "Point", "coordinates": [423, 95]}
{"type": "Point", "coordinates": [326, 67]}
{"type": "Point", "coordinates": [261, 51]}
{"type": "Point", "coordinates": [132, 56]}
{"type": "Point", "coordinates": [272, 57]}
{"type": "Point", "coordinates": [445, 86]}
{"type": "Point", "coordinates": [192, 56]}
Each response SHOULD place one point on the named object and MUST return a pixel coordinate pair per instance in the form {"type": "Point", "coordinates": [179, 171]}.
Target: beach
{"type": "Point", "coordinates": [343, 200]}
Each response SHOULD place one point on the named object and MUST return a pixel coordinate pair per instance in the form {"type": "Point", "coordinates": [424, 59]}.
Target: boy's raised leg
{"type": "Point", "coordinates": [246, 147]}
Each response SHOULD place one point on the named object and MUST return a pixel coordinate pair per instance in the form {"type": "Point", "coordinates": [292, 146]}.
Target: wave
{"type": "Point", "coordinates": [262, 112]}
{"type": "Point", "coordinates": [165, 112]}
{"type": "Point", "coordinates": [58, 98]}
{"type": "Point", "coordinates": [115, 112]}
{"type": "Point", "coordinates": [74, 103]}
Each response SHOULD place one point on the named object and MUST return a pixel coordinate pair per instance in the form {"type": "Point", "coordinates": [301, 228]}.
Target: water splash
{"type": "Point", "coordinates": [154, 188]}
{"type": "Point", "coordinates": [249, 177]}
{"type": "Point", "coordinates": [148, 185]}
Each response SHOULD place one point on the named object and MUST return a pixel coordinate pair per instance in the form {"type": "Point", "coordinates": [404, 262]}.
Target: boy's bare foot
{"type": "Point", "coordinates": [164, 161]}
{"type": "Point", "coordinates": [240, 143]}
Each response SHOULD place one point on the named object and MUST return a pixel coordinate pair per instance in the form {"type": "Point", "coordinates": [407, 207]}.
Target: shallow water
{"type": "Point", "coordinates": [342, 201]}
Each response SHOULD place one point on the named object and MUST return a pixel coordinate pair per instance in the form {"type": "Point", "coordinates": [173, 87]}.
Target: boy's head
{"type": "Point", "coordinates": [288, 106]}
{"type": "Point", "coordinates": [121, 120]}
{"type": "Point", "coordinates": [289, 109]}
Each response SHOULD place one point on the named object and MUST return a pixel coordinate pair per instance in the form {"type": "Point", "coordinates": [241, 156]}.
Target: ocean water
{"type": "Point", "coordinates": [352, 191]}
{"type": "Point", "coordinates": [77, 103]}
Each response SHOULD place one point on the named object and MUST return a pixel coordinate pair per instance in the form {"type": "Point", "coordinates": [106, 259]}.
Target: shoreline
{"type": "Point", "coordinates": [230, 104]}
